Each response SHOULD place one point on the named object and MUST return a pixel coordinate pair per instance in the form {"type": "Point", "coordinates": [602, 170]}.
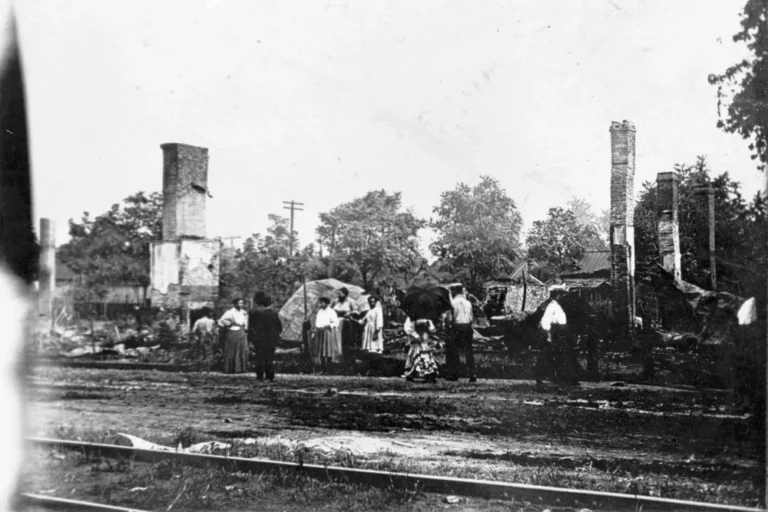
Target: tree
{"type": "Point", "coordinates": [478, 231]}
{"type": "Point", "coordinates": [747, 84]}
{"type": "Point", "coordinates": [586, 216]}
{"type": "Point", "coordinates": [373, 234]}
{"type": "Point", "coordinates": [265, 264]}
{"type": "Point", "coordinates": [113, 248]}
{"type": "Point", "coordinates": [560, 240]}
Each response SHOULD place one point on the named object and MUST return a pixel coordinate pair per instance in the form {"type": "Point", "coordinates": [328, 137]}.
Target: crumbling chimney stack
{"type": "Point", "coordinates": [185, 188]}
{"type": "Point", "coordinates": [622, 226]}
{"type": "Point", "coordinates": [47, 268]}
{"type": "Point", "coordinates": [667, 204]}
{"type": "Point", "coordinates": [184, 265]}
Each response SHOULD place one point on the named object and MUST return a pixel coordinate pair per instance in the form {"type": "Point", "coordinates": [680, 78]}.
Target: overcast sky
{"type": "Point", "coordinates": [320, 101]}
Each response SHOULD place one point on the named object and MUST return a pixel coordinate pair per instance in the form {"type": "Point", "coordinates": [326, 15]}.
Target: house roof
{"type": "Point", "coordinates": [506, 281]}
{"type": "Point", "coordinates": [63, 272]}
{"type": "Point", "coordinates": [592, 263]}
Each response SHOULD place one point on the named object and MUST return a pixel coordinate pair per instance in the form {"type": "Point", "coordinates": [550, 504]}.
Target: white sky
{"type": "Point", "coordinates": [320, 101]}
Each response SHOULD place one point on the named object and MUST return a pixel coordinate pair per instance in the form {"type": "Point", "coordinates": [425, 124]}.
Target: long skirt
{"type": "Point", "coordinates": [372, 341]}
{"type": "Point", "coordinates": [420, 362]}
{"type": "Point", "coordinates": [339, 332]}
{"type": "Point", "coordinates": [326, 345]}
{"type": "Point", "coordinates": [235, 352]}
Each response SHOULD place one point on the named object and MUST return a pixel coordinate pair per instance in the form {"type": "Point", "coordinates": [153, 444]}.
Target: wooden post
{"type": "Point", "coordinates": [332, 251]}
{"type": "Point", "coordinates": [708, 191]}
{"type": "Point", "coordinates": [711, 216]}
{"type": "Point", "coordinates": [525, 289]}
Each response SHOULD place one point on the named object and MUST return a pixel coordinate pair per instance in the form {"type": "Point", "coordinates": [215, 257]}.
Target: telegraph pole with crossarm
{"type": "Point", "coordinates": [293, 206]}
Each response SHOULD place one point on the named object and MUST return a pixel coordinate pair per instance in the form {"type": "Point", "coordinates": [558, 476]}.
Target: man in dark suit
{"type": "Point", "coordinates": [264, 328]}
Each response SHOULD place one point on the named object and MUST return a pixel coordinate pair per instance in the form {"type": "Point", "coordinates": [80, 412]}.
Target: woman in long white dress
{"type": "Point", "coordinates": [373, 336]}
{"type": "Point", "coordinates": [326, 324]}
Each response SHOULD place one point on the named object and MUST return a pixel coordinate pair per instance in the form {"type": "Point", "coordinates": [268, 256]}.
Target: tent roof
{"type": "Point", "coordinates": [292, 312]}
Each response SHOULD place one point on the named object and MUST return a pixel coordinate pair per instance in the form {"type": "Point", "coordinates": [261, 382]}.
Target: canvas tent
{"type": "Point", "coordinates": [292, 313]}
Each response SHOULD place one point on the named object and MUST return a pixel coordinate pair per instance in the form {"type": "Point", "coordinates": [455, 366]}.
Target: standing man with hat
{"type": "Point", "coordinates": [264, 329]}
{"type": "Point", "coordinates": [556, 351]}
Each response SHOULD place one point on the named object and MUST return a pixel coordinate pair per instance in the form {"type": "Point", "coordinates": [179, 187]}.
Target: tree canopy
{"type": "Point", "coordinates": [560, 240]}
{"type": "Point", "coordinates": [265, 264]}
{"type": "Point", "coordinates": [586, 216]}
{"type": "Point", "coordinates": [374, 235]}
{"type": "Point", "coordinates": [744, 85]}
{"type": "Point", "coordinates": [113, 248]}
{"type": "Point", "coordinates": [478, 231]}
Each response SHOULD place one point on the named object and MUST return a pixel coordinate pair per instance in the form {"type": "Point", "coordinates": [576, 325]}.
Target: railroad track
{"type": "Point", "coordinates": [425, 483]}
{"type": "Point", "coordinates": [27, 501]}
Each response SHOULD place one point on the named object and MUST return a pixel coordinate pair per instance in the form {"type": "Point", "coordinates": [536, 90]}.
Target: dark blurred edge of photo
{"type": "Point", "coordinates": [18, 261]}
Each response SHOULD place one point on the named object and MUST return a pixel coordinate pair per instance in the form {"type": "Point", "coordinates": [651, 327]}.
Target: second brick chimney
{"type": "Point", "coordinates": [668, 226]}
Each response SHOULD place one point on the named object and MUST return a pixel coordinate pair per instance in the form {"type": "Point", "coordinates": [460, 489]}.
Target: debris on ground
{"type": "Point", "coordinates": [136, 442]}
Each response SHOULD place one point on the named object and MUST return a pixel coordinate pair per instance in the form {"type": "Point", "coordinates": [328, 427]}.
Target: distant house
{"type": "Point", "coordinates": [65, 276]}
{"type": "Point", "coordinates": [593, 271]}
{"type": "Point", "coordinates": [117, 298]}
{"type": "Point", "coordinates": [517, 292]}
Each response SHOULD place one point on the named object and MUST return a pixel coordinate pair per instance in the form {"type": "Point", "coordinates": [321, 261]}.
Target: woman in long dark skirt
{"type": "Point", "coordinates": [234, 323]}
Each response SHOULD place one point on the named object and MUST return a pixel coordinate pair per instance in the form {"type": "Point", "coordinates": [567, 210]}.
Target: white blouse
{"type": "Point", "coordinates": [233, 320]}
{"type": "Point", "coordinates": [326, 318]}
{"type": "Point", "coordinates": [410, 327]}
{"type": "Point", "coordinates": [554, 314]}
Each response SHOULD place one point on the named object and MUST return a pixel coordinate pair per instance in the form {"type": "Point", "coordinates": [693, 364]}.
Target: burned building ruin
{"type": "Point", "coordinates": [622, 234]}
{"type": "Point", "coordinates": [184, 265]}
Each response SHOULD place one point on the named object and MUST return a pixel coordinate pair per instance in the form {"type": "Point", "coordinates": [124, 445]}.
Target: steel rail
{"type": "Point", "coordinates": [51, 503]}
{"type": "Point", "coordinates": [425, 483]}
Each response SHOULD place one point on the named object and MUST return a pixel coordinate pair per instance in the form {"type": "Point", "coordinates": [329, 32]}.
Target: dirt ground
{"type": "Point", "coordinates": [674, 443]}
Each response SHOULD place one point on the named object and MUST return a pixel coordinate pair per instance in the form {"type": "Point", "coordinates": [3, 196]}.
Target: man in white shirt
{"type": "Point", "coordinates": [461, 338]}
{"type": "Point", "coordinates": [205, 331]}
{"type": "Point", "coordinates": [554, 355]}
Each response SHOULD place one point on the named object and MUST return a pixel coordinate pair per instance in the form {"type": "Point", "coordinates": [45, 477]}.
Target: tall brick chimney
{"type": "Point", "coordinates": [185, 187]}
{"type": "Point", "coordinates": [47, 269]}
{"type": "Point", "coordinates": [668, 225]}
{"type": "Point", "coordinates": [622, 226]}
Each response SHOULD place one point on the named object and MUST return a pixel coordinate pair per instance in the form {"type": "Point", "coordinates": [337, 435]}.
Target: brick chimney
{"type": "Point", "coordinates": [47, 269]}
{"type": "Point", "coordinates": [667, 202]}
{"type": "Point", "coordinates": [185, 188]}
{"type": "Point", "coordinates": [622, 226]}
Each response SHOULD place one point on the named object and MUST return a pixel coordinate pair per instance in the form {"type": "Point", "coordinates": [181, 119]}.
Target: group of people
{"type": "Point", "coordinates": [259, 328]}
{"type": "Point", "coordinates": [333, 328]}
{"type": "Point", "coordinates": [332, 334]}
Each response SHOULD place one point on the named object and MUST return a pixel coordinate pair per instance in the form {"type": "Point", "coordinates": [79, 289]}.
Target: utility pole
{"type": "Point", "coordinates": [332, 251]}
{"type": "Point", "coordinates": [292, 205]}
{"type": "Point", "coordinates": [231, 240]}
{"type": "Point", "coordinates": [708, 192]}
